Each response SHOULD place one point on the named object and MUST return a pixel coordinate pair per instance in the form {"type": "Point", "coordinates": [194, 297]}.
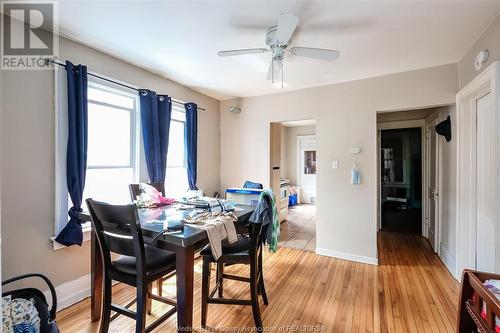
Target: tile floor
{"type": "Point", "coordinates": [298, 231]}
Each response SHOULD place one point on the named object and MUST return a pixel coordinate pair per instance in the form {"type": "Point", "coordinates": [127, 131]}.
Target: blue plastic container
{"type": "Point", "coordinates": [292, 199]}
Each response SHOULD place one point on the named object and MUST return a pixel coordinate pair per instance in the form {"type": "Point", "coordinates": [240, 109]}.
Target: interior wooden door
{"type": "Point", "coordinates": [275, 164]}
{"type": "Point", "coordinates": [432, 186]}
{"type": "Point", "coordinates": [486, 187]}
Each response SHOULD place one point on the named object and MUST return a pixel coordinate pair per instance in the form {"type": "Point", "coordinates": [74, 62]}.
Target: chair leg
{"type": "Point", "coordinates": [254, 294]}
{"type": "Point", "coordinates": [160, 286]}
{"type": "Point", "coordinates": [140, 317]}
{"type": "Point", "coordinates": [149, 302]}
{"type": "Point", "coordinates": [262, 288]}
{"type": "Point", "coordinates": [205, 289]}
{"type": "Point", "coordinates": [106, 306]}
{"type": "Point", "coordinates": [220, 279]}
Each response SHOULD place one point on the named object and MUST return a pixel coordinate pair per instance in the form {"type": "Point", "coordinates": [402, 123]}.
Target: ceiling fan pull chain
{"type": "Point", "coordinates": [272, 70]}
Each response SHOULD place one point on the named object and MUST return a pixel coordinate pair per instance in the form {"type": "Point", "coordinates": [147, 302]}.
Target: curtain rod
{"type": "Point", "coordinates": [115, 82]}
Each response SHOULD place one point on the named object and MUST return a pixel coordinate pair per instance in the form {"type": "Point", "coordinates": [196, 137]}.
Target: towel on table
{"type": "Point", "coordinates": [218, 226]}
{"type": "Point", "coordinates": [266, 213]}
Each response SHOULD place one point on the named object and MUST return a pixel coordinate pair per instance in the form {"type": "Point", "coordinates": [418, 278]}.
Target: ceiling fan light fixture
{"type": "Point", "coordinates": [278, 39]}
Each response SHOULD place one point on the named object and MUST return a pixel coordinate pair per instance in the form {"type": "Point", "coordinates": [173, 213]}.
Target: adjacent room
{"type": "Point", "coordinates": [250, 166]}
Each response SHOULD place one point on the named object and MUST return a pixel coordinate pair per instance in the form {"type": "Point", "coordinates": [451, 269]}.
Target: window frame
{"type": "Point", "coordinates": [61, 137]}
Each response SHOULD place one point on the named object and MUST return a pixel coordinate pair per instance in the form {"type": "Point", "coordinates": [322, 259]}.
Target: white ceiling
{"type": "Point", "coordinates": [180, 39]}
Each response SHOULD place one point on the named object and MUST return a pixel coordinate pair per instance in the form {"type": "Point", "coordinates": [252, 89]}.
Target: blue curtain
{"type": "Point", "coordinates": [191, 136]}
{"type": "Point", "coordinates": [156, 112]}
{"type": "Point", "coordinates": [76, 156]}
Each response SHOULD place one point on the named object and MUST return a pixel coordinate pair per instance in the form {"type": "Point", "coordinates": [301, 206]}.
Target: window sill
{"type": "Point", "coordinates": [58, 246]}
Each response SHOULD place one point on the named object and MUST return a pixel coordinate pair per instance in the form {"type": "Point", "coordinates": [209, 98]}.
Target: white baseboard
{"type": "Point", "coordinates": [448, 259]}
{"type": "Point", "coordinates": [347, 256]}
{"type": "Point", "coordinates": [71, 292]}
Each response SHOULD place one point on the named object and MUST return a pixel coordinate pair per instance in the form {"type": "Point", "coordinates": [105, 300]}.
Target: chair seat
{"type": "Point", "coordinates": [240, 247]}
{"type": "Point", "coordinates": [157, 261]}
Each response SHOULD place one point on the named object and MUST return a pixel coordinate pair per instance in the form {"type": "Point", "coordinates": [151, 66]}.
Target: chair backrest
{"type": "Point", "coordinates": [118, 230]}
{"type": "Point", "coordinates": [249, 184]}
{"type": "Point", "coordinates": [256, 235]}
{"type": "Point", "coordinates": [135, 189]}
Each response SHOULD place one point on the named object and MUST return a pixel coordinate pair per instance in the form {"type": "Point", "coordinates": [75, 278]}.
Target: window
{"type": "Point", "coordinates": [112, 162]}
{"type": "Point", "coordinates": [113, 152]}
{"type": "Point", "coordinates": [176, 183]}
{"type": "Point", "coordinates": [113, 144]}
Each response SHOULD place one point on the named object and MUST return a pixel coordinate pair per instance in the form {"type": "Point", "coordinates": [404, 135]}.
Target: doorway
{"type": "Point", "coordinates": [293, 176]}
{"type": "Point", "coordinates": [306, 173]}
{"type": "Point", "coordinates": [401, 180]}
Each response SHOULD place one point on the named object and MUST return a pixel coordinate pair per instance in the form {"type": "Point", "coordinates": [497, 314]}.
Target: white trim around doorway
{"type": "Point", "coordinates": [485, 83]}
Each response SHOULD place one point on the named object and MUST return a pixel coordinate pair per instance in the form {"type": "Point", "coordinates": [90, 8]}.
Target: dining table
{"type": "Point", "coordinates": [165, 225]}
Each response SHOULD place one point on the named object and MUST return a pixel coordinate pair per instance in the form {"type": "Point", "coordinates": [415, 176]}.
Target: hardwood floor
{"type": "Point", "coordinates": [410, 291]}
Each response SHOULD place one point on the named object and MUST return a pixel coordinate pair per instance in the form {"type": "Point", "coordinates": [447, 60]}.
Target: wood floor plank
{"type": "Point", "coordinates": [409, 291]}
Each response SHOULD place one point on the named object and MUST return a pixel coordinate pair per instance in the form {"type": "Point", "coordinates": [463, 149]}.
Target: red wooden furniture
{"type": "Point", "coordinates": [472, 297]}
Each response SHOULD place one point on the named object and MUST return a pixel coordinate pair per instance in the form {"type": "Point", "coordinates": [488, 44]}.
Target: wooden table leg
{"type": "Point", "coordinates": [96, 276]}
{"type": "Point", "coordinates": [185, 280]}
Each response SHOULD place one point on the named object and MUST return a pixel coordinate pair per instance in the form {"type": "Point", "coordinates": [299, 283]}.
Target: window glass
{"type": "Point", "coordinates": [176, 183]}
{"type": "Point", "coordinates": [109, 185]}
{"type": "Point", "coordinates": [176, 150]}
{"type": "Point", "coordinates": [310, 162]}
{"type": "Point", "coordinates": [109, 139]}
{"type": "Point", "coordinates": [112, 144]}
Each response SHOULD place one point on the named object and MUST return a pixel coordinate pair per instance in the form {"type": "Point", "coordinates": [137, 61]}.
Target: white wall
{"type": "Point", "coordinates": [291, 134]}
{"type": "Point", "coordinates": [27, 136]}
{"type": "Point", "coordinates": [488, 40]}
{"type": "Point", "coordinates": [345, 116]}
{"type": "Point", "coordinates": [448, 191]}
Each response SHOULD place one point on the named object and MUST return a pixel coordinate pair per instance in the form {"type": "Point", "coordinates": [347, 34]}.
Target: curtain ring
{"type": "Point", "coordinates": [161, 98]}
{"type": "Point", "coordinates": [144, 93]}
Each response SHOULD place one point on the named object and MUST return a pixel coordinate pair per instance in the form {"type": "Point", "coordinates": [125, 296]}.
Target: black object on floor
{"type": "Point", "coordinates": [398, 218]}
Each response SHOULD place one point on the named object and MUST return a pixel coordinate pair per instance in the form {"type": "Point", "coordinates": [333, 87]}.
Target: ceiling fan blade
{"type": "Point", "coordinates": [286, 26]}
{"type": "Point", "coordinates": [276, 70]}
{"type": "Point", "coordinates": [311, 52]}
{"type": "Point", "coordinates": [229, 53]}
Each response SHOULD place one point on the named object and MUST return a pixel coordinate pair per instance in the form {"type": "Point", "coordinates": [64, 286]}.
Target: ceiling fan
{"type": "Point", "coordinates": [278, 40]}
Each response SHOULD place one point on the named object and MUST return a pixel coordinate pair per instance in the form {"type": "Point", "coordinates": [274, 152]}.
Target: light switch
{"type": "Point", "coordinates": [335, 164]}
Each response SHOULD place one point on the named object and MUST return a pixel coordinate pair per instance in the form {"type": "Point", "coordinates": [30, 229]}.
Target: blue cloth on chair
{"type": "Point", "coordinates": [249, 184]}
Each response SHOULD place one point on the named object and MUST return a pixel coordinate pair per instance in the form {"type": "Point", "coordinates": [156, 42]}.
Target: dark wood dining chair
{"type": "Point", "coordinates": [118, 230]}
{"type": "Point", "coordinates": [246, 250]}
{"type": "Point", "coordinates": [135, 189]}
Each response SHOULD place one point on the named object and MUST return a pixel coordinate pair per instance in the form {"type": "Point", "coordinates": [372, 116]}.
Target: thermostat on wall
{"type": "Point", "coordinates": [354, 150]}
